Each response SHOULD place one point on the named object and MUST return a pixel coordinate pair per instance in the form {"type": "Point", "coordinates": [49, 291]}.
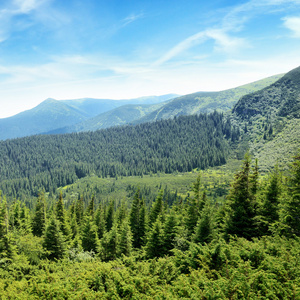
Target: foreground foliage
{"type": "Point", "coordinates": [247, 248]}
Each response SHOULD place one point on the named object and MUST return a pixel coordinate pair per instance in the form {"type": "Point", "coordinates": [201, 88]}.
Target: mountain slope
{"type": "Point", "coordinates": [282, 98]}
{"type": "Point", "coordinates": [116, 117]}
{"type": "Point", "coordinates": [270, 121]}
{"type": "Point", "coordinates": [206, 102]}
{"type": "Point", "coordinates": [48, 115]}
{"type": "Point", "coordinates": [53, 114]}
{"type": "Point", "coordinates": [94, 107]}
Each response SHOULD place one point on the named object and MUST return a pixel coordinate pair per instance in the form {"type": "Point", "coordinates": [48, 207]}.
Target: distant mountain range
{"type": "Point", "coordinates": [86, 114]}
{"type": "Point", "coordinates": [52, 114]}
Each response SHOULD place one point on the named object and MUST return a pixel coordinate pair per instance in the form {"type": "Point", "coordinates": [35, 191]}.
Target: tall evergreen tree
{"type": "Point", "coordinates": [125, 241]}
{"type": "Point", "coordinates": [110, 244]}
{"type": "Point", "coordinates": [271, 200]}
{"type": "Point", "coordinates": [157, 208]}
{"type": "Point", "coordinates": [53, 241]}
{"type": "Point", "coordinates": [204, 229]}
{"type": "Point", "coordinates": [100, 221]}
{"type": "Point", "coordinates": [169, 233]}
{"type": "Point", "coordinates": [91, 207]}
{"type": "Point", "coordinates": [292, 204]}
{"type": "Point", "coordinates": [39, 218]}
{"type": "Point", "coordinates": [62, 218]}
{"type": "Point", "coordinates": [155, 241]}
{"type": "Point", "coordinates": [110, 215]}
{"type": "Point", "coordinates": [89, 235]}
{"type": "Point", "coordinates": [6, 248]}
{"type": "Point", "coordinates": [137, 220]}
{"type": "Point", "coordinates": [240, 219]}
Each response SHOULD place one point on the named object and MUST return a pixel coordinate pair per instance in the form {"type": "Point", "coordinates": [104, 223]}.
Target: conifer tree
{"type": "Point", "coordinates": [271, 200]}
{"type": "Point", "coordinates": [110, 216]}
{"type": "Point", "coordinates": [291, 216]}
{"type": "Point", "coordinates": [39, 218]}
{"type": "Point", "coordinates": [125, 241]}
{"type": "Point", "coordinates": [110, 243]}
{"type": "Point", "coordinates": [155, 243]}
{"type": "Point", "coordinates": [5, 246]}
{"type": "Point", "coordinates": [157, 208]}
{"type": "Point", "coordinates": [61, 217]}
{"type": "Point", "coordinates": [169, 233]}
{"type": "Point", "coordinates": [100, 221]}
{"type": "Point", "coordinates": [204, 229]}
{"type": "Point", "coordinates": [53, 241]}
{"type": "Point", "coordinates": [241, 208]}
{"type": "Point", "coordinates": [91, 207]}
{"type": "Point", "coordinates": [137, 220]}
{"type": "Point", "coordinates": [25, 222]}
{"type": "Point", "coordinates": [89, 236]}
{"type": "Point", "coordinates": [79, 210]}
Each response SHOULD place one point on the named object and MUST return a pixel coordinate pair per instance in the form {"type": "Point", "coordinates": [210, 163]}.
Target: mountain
{"type": "Point", "coordinates": [46, 116]}
{"type": "Point", "coordinates": [116, 117]}
{"type": "Point", "coordinates": [52, 114]}
{"type": "Point", "coordinates": [184, 105]}
{"type": "Point", "coordinates": [270, 120]}
{"type": "Point", "coordinates": [94, 107]}
{"type": "Point", "coordinates": [206, 102]}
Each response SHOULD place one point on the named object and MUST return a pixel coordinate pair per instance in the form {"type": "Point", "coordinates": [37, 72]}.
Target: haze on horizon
{"type": "Point", "coordinates": [127, 49]}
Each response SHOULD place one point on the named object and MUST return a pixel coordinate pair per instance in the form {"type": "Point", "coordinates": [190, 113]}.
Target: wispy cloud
{"type": "Point", "coordinates": [13, 9]}
{"type": "Point", "coordinates": [131, 18]}
{"type": "Point", "coordinates": [293, 24]}
{"type": "Point", "coordinates": [223, 34]}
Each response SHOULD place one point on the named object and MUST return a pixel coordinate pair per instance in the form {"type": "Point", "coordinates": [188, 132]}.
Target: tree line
{"type": "Point", "coordinates": [30, 164]}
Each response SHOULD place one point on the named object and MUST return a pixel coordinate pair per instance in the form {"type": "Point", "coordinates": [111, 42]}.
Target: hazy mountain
{"type": "Point", "coordinates": [46, 116]}
{"type": "Point", "coordinates": [94, 107]}
{"type": "Point", "coordinates": [184, 105]}
{"type": "Point", "coordinates": [119, 116]}
{"type": "Point", "coordinates": [52, 114]}
{"type": "Point", "coordinates": [207, 101]}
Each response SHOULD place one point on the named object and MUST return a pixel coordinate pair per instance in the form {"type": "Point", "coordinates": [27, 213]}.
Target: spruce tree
{"type": "Point", "coordinates": [155, 241]}
{"type": "Point", "coordinates": [61, 217]}
{"type": "Point", "coordinates": [110, 244]}
{"type": "Point", "coordinates": [292, 204]}
{"type": "Point", "coordinates": [54, 241]}
{"type": "Point", "coordinates": [39, 218]}
{"type": "Point", "coordinates": [91, 207]}
{"type": "Point", "coordinates": [100, 221]}
{"type": "Point", "coordinates": [240, 219]}
{"type": "Point", "coordinates": [7, 249]}
{"type": "Point", "coordinates": [157, 208]}
{"type": "Point", "coordinates": [271, 200]}
{"type": "Point", "coordinates": [89, 235]}
{"type": "Point", "coordinates": [110, 215]}
{"type": "Point", "coordinates": [169, 233]}
{"type": "Point", "coordinates": [204, 229]}
{"type": "Point", "coordinates": [137, 220]}
{"type": "Point", "coordinates": [25, 222]}
{"type": "Point", "coordinates": [125, 241]}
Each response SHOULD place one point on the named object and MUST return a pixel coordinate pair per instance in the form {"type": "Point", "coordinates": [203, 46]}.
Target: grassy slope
{"type": "Point", "coordinates": [207, 101]}
{"type": "Point", "coordinates": [111, 188]}
{"type": "Point", "coordinates": [280, 149]}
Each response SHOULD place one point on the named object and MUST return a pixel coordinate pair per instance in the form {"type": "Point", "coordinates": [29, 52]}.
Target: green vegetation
{"type": "Point", "coordinates": [48, 162]}
{"type": "Point", "coordinates": [190, 249]}
{"type": "Point", "coordinates": [206, 102]}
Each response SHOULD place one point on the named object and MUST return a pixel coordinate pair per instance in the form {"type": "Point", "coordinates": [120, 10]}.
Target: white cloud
{"type": "Point", "coordinates": [293, 24]}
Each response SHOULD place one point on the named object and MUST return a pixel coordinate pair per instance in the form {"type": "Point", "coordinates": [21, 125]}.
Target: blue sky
{"type": "Point", "coordinates": [125, 49]}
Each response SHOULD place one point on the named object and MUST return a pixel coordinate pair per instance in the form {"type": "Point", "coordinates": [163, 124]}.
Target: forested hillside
{"type": "Point", "coordinates": [248, 247]}
{"type": "Point", "coordinates": [48, 162]}
{"type": "Point", "coordinates": [269, 120]}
